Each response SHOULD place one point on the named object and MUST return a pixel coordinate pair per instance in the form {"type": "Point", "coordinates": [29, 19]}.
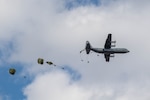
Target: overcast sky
{"type": "Point", "coordinates": [57, 30]}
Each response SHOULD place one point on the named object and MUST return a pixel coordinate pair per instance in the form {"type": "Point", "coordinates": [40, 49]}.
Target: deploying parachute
{"type": "Point", "coordinates": [41, 61]}
{"type": "Point", "coordinates": [50, 63]}
{"type": "Point", "coordinates": [12, 71]}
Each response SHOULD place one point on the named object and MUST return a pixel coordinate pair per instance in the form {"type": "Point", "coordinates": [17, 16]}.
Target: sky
{"type": "Point", "coordinates": [57, 30]}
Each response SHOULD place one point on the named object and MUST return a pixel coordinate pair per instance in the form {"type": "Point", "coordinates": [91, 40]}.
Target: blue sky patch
{"type": "Point", "coordinates": [6, 48]}
{"type": "Point", "coordinates": [12, 85]}
{"type": "Point", "coordinates": [70, 4]}
{"type": "Point", "coordinates": [74, 74]}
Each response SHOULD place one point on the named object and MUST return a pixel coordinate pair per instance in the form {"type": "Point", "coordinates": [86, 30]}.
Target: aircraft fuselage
{"type": "Point", "coordinates": [110, 51]}
{"type": "Point", "coordinates": [107, 50]}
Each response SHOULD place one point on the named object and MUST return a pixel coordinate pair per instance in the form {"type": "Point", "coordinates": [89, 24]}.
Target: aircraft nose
{"type": "Point", "coordinates": [128, 51]}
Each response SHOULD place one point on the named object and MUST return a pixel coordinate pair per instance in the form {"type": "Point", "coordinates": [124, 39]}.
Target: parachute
{"type": "Point", "coordinates": [40, 61]}
{"type": "Point", "coordinates": [12, 71]}
{"type": "Point", "coordinates": [48, 62]}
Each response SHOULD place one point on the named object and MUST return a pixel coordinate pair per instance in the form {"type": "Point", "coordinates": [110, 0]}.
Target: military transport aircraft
{"type": "Point", "coordinates": [107, 50]}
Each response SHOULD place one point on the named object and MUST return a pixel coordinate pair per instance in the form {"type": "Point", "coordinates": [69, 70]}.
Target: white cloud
{"type": "Point", "coordinates": [45, 29]}
{"type": "Point", "coordinates": [54, 86]}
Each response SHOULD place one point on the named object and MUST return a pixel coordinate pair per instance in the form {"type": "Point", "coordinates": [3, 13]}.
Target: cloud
{"type": "Point", "coordinates": [54, 86]}
{"type": "Point", "coordinates": [72, 4]}
{"type": "Point", "coordinates": [46, 29]}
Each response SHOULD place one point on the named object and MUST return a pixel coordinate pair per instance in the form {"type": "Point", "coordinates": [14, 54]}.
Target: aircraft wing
{"type": "Point", "coordinates": [108, 42]}
{"type": "Point", "coordinates": [107, 56]}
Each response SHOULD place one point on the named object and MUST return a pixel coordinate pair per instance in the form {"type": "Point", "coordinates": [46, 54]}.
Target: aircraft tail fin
{"type": "Point", "coordinates": [88, 47]}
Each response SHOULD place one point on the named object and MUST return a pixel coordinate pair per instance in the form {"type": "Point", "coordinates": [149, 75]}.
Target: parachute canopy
{"type": "Point", "coordinates": [40, 61]}
{"type": "Point", "coordinates": [12, 71]}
